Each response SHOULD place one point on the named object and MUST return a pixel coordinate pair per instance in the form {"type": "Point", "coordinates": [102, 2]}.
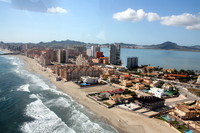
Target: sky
{"type": "Point", "coordinates": [142, 22]}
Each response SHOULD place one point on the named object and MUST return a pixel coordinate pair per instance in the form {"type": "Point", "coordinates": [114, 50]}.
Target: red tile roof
{"type": "Point", "coordinates": [126, 76]}
{"type": "Point", "coordinates": [178, 75]}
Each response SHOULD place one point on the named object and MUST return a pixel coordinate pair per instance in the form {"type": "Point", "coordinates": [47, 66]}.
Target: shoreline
{"type": "Point", "coordinates": [5, 50]}
{"type": "Point", "coordinates": [121, 120]}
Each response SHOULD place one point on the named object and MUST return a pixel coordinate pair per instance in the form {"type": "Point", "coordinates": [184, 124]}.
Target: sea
{"type": "Point", "coordinates": [29, 103]}
{"type": "Point", "coordinates": [163, 58]}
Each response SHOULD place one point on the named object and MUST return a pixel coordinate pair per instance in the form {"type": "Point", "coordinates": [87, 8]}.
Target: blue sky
{"type": "Point", "coordinates": [101, 21]}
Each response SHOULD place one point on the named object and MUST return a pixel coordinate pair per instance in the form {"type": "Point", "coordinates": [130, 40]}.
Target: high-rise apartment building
{"type": "Point", "coordinates": [67, 55]}
{"type": "Point", "coordinates": [95, 49]}
{"type": "Point", "coordinates": [89, 52]}
{"type": "Point", "coordinates": [115, 54]}
{"type": "Point", "coordinates": [63, 56]}
{"type": "Point", "coordinates": [132, 62]}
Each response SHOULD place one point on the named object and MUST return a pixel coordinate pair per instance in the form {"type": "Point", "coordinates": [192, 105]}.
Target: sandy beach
{"type": "Point", "coordinates": [5, 50]}
{"type": "Point", "coordinates": [123, 121]}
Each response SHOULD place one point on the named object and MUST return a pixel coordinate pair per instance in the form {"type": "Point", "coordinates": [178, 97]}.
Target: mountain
{"type": "Point", "coordinates": [61, 43]}
{"type": "Point", "coordinates": [171, 46]}
{"type": "Point", "coordinates": [67, 43]}
{"type": "Point", "coordinates": [165, 45]}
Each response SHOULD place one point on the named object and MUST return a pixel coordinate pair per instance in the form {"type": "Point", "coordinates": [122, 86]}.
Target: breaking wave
{"type": "Point", "coordinates": [24, 88]}
{"type": "Point", "coordinates": [45, 120]}
{"type": "Point", "coordinates": [52, 110]}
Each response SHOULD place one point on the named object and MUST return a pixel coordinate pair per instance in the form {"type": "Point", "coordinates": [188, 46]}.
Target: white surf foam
{"type": "Point", "coordinates": [15, 61]}
{"type": "Point", "coordinates": [33, 96]}
{"type": "Point", "coordinates": [44, 86]}
{"type": "Point", "coordinates": [24, 88]}
{"type": "Point", "coordinates": [37, 80]}
{"type": "Point", "coordinates": [46, 121]}
{"type": "Point", "coordinates": [2, 99]}
{"type": "Point", "coordinates": [59, 102]}
{"type": "Point", "coordinates": [84, 124]}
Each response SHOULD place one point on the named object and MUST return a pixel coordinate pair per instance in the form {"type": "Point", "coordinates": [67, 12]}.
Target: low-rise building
{"type": "Point", "coordinates": [108, 71]}
{"type": "Point", "coordinates": [185, 112]}
{"type": "Point", "coordinates": [125, 77]}
{"type": "Point", "coordinates": [147, 82]}
{"type": "Point", "coordinates": [139, 86]}
{"type": "Point", "coordinates": [89, 80]}
{"type": "Point", "coordinates": [167, 86]}
{"type": "Point", "coordinates": [113, 79]}
{"type": "Point", "coordinates": [117, 98]}
{"type": "Point", "coordinates": [104, 76]}
{"type": "Point", "coordinates": [157, 92]}
{"type": "Point", "coordinates": [105, 60]}
{"type": "Point", "coordinates": [127, 98]}
{"type": "Point", "coordinates": [198, 80]}
{"type": "Point", "coordinates": [104, 95]}
{"type": "Point", "coordinates": [96, 60]}
{"type": "Point", "coordinates": [127, 83]}
{"type": "Point", "coordinates": [170, 70]}
{"type": "Point", "coordinates": [155, 83]}
{"type": "Point", "coordinates": [150, 102]}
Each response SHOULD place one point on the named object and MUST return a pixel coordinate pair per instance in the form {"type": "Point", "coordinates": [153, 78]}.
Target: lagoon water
{"type": "Point", "coordinates": [163, 58]}
{"type": "Point", "coordinates": [29, 103]}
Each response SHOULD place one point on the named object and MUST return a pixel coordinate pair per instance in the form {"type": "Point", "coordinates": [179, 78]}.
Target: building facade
{"type": "Point", "coordinates": [74, 73]}
{"type": "Point", "coordinates": [89, 52]}
{"type": "Point", "coordinates": [115, 54]}
{"type": "Point", "coordinates": [83, 60]}
{"type": "Point", "coordinates": [132, 62]}
{"type": "Point", "coordinates": [198, 80]}
{"type": "Point", "coordinates": [98, 54]}
{"type": "Point", "coordinates": [150, 102]}
{"type": "Point", "coordinates": [94, 49]}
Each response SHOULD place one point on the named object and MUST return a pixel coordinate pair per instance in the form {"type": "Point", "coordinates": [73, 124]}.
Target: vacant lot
{"type": "Point", "coordinates": [194, 91]}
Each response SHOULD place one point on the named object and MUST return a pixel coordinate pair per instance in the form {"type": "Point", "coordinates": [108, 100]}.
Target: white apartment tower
{"type": "Point", "coordinates": [115, 54]}
{"type": "Point", "coordinates": [89, 52]}
{"type": "Point", "coordinates": [95, 49]}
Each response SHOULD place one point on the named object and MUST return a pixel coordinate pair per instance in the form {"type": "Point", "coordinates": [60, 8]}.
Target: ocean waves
{"type": "Point", "coordinates": [45, 120]}
{"type": "Point", "coordinates": [24, 88]}
{"type": "Point", "coordinates": [51, 110]}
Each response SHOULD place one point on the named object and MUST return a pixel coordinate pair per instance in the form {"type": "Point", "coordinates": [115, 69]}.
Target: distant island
{"type": "Point", "coordinates": [67, 43]}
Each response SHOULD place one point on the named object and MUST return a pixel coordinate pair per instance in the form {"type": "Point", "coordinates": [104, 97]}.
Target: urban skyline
{"type": "Point", "coordinates": [138, 22]}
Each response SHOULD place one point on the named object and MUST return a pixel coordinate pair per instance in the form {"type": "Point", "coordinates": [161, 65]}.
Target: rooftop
{"type": "Point", "coordinates": [150, 99]}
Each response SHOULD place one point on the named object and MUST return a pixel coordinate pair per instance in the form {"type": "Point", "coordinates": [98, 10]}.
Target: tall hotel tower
{"type": "Point", "coordinates": [132, 62]}
{"type": "Point", "coordinates": [115, 54]}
